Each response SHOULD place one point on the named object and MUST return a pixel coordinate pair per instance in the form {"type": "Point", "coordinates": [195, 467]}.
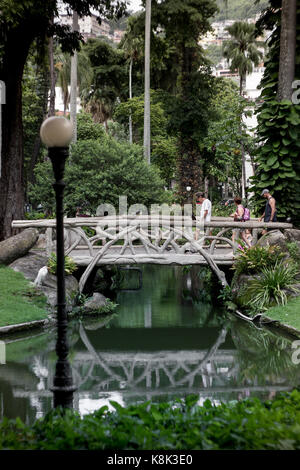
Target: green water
{"type": "Point", "coordinates": [168, 339]}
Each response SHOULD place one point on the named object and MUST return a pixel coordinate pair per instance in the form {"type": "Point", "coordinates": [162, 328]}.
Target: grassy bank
{"type": "Point", "coordinates": [19, 301]}
{"type": "Point", "coordinates": [288, 314]}
{"type": "Point", "coordinates": [249, 424]}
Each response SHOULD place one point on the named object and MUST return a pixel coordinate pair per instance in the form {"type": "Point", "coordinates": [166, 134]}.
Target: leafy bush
{"type": "Point", "coordinates": [182, 424]}
{"type": "Point", "coordinates": [87, 129]}
{"type": "Point", "coordinates": [256, 258]}
{"type": "Point", "coordinates": [100, 172]}
{"type": "Point", "coordinates": [220, 210]}
{"type": "Point", "coordinates": [294, 251]}
{"type": "Point", "coordinates": [70, 265]}
{"type": "Point", "coordinates": [269, 288]}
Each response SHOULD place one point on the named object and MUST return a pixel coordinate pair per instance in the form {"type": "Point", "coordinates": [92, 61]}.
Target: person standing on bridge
{"type": "Point", "coordinates": [239, 216]}
{"type": "Point", "coordinates": [270, 213]}
{"type": "Point", "coordinates": [205, 213]}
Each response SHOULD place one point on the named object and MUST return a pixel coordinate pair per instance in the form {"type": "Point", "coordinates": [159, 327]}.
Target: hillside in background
{"type": "Point", "coordinates": [239, 9]}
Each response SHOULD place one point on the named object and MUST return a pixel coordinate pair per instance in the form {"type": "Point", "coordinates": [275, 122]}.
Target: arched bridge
{"type": "Point", "coordinates": [127, 240]}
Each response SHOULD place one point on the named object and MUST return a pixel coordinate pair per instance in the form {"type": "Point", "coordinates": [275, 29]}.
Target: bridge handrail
{"type": "Point", "coordinates": [150, 220]}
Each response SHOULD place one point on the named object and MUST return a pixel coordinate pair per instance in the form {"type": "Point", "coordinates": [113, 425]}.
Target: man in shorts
{"type": "Point", "coordinates": [269, 214]}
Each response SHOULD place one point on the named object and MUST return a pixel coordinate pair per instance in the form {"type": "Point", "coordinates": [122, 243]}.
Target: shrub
{"type": "Point", "coordinates": [181, 425]}
{"type": "Point", "coordinates": [70, 265]}
{"type": "Point", "coordinates": [256, 258]}
{"type": "Point", "coordinates": [101, 172]}
{"type": "Point", "coordinates": [294, 251]}
{"type": "Point", "coordinates": [270, 287]}
{"type": "Point", "coordinates": [87, 129]}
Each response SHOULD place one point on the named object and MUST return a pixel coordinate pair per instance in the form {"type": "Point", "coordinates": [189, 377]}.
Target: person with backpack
{"type": "Point", "coordinates": [241, 214]}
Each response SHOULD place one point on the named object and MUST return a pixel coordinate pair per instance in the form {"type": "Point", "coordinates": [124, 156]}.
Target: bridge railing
{"type": "Point", "coordinates": [154, 240]}
{"type": "Point", "coordinates": [155, 228]}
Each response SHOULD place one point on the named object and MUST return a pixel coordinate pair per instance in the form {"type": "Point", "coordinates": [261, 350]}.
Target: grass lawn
{"type": "Point", "coordinates": [288, 314]}
{"type": "Point", "coordinates": [19, 301]}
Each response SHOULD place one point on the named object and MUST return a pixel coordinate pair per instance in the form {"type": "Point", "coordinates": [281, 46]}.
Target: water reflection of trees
{"type": "Point", "coordinates": [264, 356]}
{"type": "Point", "coordinates": [174, 296]}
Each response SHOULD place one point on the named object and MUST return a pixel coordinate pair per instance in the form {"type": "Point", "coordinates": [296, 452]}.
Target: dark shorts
{"type": "Point", "coordinates": [267, 219]}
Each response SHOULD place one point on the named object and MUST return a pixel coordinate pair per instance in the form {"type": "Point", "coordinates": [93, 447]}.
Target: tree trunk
{"type": "Point", "coordinates": [130, 97]}
{"type": "Point", "coordinates": [242, 83]}
{"type": "Point", "coordinates": [206, 186]}
{"type": "Point", "coordinates": [147, 111]}
{"type": "Point", "coordinates": [12, 177]}
{"type": "Point", "coordinates": [73, 97]}
{"type": "Point", "coordinates": [52, 79]}
{"type": "Point", "coordinates": [287, 50]}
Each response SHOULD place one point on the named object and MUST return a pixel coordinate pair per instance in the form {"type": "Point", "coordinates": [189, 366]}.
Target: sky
{"type": "Point", "coordinates": [135, 5]}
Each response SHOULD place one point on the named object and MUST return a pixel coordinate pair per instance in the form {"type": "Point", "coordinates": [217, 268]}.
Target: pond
{"type": "Point", "coordinates": [169, 338]}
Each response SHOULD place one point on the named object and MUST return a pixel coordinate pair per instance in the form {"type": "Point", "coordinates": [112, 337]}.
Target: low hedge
{"type": "Point", "coordinates": [182, 424]}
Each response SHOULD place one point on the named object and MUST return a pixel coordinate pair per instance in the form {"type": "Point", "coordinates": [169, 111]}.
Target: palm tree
{"type": "Point", "coordinates": [73, 92]}
{"type": "Point", "coordinates": [147, 130]}
{"type": "Point", "coordinates": [84, 76]}
{"type": "Point", "coordinates": [243, 53]}
{"type": "Point", "coordinates": [242, 50]}
{"type": "Point", "coordinates": [132, 47]}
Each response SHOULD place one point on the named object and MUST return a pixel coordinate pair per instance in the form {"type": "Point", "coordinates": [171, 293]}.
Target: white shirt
{"type": "Point", "coordinates": [206, 206]}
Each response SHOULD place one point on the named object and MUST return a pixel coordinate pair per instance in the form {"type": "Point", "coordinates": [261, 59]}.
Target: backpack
{"type": "Point", "coordinates": [246, 215]}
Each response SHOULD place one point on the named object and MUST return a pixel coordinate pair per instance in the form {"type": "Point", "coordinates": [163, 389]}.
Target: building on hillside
{"type": "Point", "coordinates": [117, 36]}
{"type": "Point", "coordinates": [88, 26]}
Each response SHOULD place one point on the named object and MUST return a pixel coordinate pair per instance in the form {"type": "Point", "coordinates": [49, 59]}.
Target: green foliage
{"type": "Point", "coordinates": [87, 129]}
{"type": "Point", "coordinates": [181, 425]}
{"type": "Point", "coordinates": [108, 308]}
{"type": "Point", "coordinates": [242, 49]}
{"type": "Point", "coordinates": [100, 172]}
{"type": "Point", "coordinates": [277, 157]}
{"type": "Point", "coordinates": [239, 9]}
{"type": "Point", "coordinates": [294, 251]}
{"type": "Point", "coordinates": [226, 135]}
{"type": "Point", "coordinates": [256, 258]}
{"type": "Point", "coordinates": [270, 287]}
{"type": "Point", "coordinates": [220, 210]}
{"type": "Point", "coordinates": [35, 215]}
{"type": "Point", "coordinates": [35, 86]}
{"type": "Point", "coordinates": [214, 53]}
{"type": "Point", "coordinates": [109, 79]}
{"type": "Point", "coordinates": [70, 265]}
{"type": "Point", "coordinates": [226, 294]}
{"type": "Point", "coordinates": [135, 107]}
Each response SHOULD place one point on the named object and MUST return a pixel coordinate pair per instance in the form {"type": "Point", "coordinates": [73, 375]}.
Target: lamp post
{"type": "Point", "coordinates": [188, 188]}
{"type": "Point", "coordinates": [56, 133]}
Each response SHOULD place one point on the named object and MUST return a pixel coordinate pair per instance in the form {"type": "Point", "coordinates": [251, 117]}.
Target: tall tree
{"type": "Point", "coordinates": [287, 49]}
{"type": "Point", "coordinates": [243, 53]}
{"type": "Point", "coordinates": [73, 91]}
{"type": "Point", "coordinates": [132, 47]}
{"type": "Point", "coordinates": [242, 49]}
{"type": "Point", "coordinates": [51, 111]}
{"type": "Point", "coordinates": [278, 156]}
{"type": "Point", "coordinates": [20, 24]}
{"type": "Point", "coordinates": [183, 24]}
{"type": "Point", "coordinates": [147, 111]}
{"type": "Point", "coordinates": [109, 81]}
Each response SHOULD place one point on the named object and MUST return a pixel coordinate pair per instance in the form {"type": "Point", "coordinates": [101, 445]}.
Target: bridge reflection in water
{"type": "Point", "coordinates": [162, 344]}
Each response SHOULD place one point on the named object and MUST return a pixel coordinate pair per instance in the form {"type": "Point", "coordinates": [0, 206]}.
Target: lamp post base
{"type": "Point", "coordinates": [63, 396]}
